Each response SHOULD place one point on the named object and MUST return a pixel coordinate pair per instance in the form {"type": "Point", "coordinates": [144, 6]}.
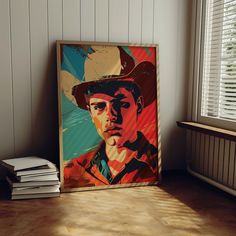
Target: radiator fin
{"type": "Point", "coordinates": [212, 157]}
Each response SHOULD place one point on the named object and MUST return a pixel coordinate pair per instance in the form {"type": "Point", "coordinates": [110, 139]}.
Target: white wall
{"type": "Point", "coordinates": [28, 96]}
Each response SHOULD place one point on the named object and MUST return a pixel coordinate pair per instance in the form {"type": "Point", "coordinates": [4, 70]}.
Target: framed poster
{"type": "Point", "coordinates": [108, 115]}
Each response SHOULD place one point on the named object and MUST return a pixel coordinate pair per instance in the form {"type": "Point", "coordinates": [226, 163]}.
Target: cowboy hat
{"type": "Point", "coordinates": [142, 75]}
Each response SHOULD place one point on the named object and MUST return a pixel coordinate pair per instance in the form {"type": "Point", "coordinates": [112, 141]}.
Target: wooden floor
{"type": "Point", "coordinates": [182, 205]}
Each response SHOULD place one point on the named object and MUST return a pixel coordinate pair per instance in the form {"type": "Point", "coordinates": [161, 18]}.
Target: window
{"type": "Point", "coordinates": [217, 90]}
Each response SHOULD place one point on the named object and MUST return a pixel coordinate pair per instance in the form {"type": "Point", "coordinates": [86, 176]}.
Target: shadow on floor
{"type": "Point", "coordinates": [215, 208]}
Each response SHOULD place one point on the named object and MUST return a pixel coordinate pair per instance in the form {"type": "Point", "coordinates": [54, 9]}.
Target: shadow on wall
{"type": "Point", "coordinates": [173, 149]}
{"type": "Point", "coordinates": [173, 138]}
{"type": "Point", "coordinates": [45, 120]}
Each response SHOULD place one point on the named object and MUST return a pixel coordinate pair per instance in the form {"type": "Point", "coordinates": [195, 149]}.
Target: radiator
{"type": "Point", "coordinates": [212, 159]}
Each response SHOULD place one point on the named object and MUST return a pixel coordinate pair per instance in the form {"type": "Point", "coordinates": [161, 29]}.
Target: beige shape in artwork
{"type": "Point", "coordinates": [104, 61]}
{"type": "Point", "coordinates": [68, 81]}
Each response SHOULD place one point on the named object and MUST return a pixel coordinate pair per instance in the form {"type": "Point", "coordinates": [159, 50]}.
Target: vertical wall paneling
{"type": "Point", "coordinates": [156, 21]}
{"type": "Point", "coordinates": [54, 21]}
{"type": "Point", "coordinates": [147, 21]}
{"type": "Point", "coordinates": [211, 156]}
{"type": "Point", "coordinates": [232, 164]}
{"type": "Point", "coordinates": [101, 20]}
{"type": "Point", "coordinates": [188, 148]}
{"type": "Point", "coordinates": [21, 76]}
{"type": "Point", "coordinates": [6, 101]}
{"type": "Point", "coordinates": [216, 158]}
{"type": "Point", "coordinates": [225, 167]}
{"type": "Point", "coordinates": [87, 20]}
{"type": "Point", "coordinates": [202, 151]}
{"type": "Point", "coordinates": [206, 155]}
{"type": "Point", "coordinates": [71, 19]}
{"type": "Point", "coordinates": [118, 21]}
{"type": "Point", "coordinates": [39, 74]}
{"type": "Point", "coordinates": [220, 166]}
{"type": "Point", "coordinates": [135, 21]}
{"type": "Point", "coordinates": [193, 154]}
{"type": "Point", "coordinates": [54, 33]}
{"type": "Point", "coordinates": [197, 158]}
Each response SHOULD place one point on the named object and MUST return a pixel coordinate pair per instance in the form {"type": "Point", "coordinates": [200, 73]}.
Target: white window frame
{"type": "Point", "coordinates": [196, 70]}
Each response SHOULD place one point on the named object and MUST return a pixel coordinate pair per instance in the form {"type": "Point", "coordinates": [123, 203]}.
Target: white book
{"type": "Point", "coordinates": [31, 196]}
{"type": "Point", "coordinates": [49, 168]}
{"type": "Point", "coordinates": [38, 174]}
{"type": "Point", "coordinates": [16, 164]}
{"type": "Point", "coordinates": [14, 184]}
{"type": "Point", "coordinates": [36, 190]}
{"type": "Point", "coordinates": [38, 178]}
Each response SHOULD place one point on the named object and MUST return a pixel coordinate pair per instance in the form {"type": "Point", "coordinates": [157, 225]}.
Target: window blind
{"type": "Point", "coordinates": [219, 60]}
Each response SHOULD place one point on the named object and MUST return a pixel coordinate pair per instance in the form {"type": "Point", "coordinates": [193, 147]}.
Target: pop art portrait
{"type": "Point", "coordinates": [108, 115]}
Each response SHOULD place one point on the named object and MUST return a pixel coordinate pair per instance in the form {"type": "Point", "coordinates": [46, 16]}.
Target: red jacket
{"type": "Point", "coordinates": [84, 171]}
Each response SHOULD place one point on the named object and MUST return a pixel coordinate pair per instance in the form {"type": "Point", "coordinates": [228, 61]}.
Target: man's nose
{"type": "Point", "coordinates": [111, 113]}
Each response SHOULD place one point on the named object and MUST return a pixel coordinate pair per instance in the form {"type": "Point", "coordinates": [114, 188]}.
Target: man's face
{"type": "Point", "coordinates": [115, 117]}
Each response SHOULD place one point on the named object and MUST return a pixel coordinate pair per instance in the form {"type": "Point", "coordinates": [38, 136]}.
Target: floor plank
{"type": "Point", "coordinates": [182, 205]}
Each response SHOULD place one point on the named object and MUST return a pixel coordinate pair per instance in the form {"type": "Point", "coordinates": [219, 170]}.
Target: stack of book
{"type": "Point", "coordinates": [31, 177]}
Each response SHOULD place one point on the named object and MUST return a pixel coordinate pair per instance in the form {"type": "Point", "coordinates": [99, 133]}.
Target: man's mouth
{"type": "Point", "coordinates": [113, 131]}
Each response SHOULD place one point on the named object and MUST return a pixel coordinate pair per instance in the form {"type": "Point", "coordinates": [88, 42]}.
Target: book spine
{"type": "Point", "coordinates": [8, 167]}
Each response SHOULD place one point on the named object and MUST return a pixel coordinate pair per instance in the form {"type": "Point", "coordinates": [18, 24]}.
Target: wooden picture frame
{"type": "Point", "coordinates": [108, 102]}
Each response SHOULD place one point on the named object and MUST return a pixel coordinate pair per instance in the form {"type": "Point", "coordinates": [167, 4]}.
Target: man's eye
{"type": "Point", "coordinates": [125, 105]}
{"type": "Point", "coordinates": [100, 106]}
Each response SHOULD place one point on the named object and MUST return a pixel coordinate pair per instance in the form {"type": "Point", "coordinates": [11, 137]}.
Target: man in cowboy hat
{"type": "Point", "coordinates": [115, 102]}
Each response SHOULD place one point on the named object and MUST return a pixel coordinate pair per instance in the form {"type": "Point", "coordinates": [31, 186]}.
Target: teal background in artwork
{"type": "Point", "coordinates": [73, 61]}
{"type": "Point", "coordinates": [79, 133]}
